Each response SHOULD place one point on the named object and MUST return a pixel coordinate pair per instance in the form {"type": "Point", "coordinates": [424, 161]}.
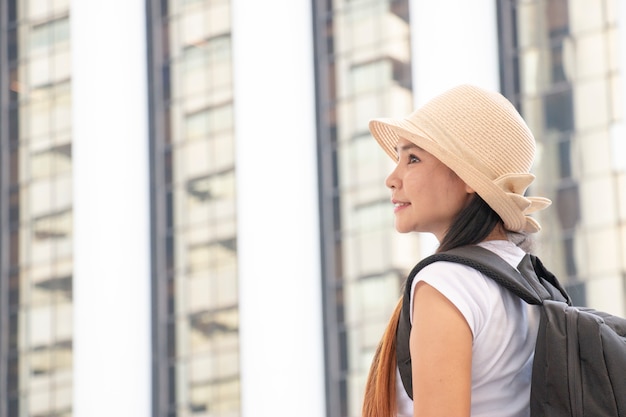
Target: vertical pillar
{"type": "Point", "coordinates": [112, 354]}
{"type": "Point", "coordinates": [282, 369]}
{"type": "Point", "coordinates": [460, 48]}
{"type": "Point", "coordinates": [618, 128]}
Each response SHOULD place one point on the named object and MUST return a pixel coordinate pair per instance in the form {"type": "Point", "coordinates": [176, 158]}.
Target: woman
{"type": "Point", "coordinates": [463, 166]}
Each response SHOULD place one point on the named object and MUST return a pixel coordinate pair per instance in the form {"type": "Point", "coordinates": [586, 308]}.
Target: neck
{"type": "Point", "coordinates": [498, 233]}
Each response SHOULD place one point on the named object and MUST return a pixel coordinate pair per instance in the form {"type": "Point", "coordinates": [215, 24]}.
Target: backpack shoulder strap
{"type": "Point", "coordinates": [531, 281]}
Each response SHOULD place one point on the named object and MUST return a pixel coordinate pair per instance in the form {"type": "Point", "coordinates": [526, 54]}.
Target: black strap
{"type": "Point", "coordinates": [531, 281]}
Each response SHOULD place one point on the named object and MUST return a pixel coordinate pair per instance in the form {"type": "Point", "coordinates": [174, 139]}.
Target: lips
{"type": "Point", "coordinates": [399, 205]}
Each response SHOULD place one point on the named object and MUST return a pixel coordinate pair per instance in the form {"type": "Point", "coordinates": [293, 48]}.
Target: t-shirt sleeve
{"type": "Point", "coordinates": [466, 288]}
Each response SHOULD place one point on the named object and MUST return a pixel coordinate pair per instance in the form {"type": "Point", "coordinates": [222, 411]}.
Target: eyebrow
{"type": "Point", "coordinates": [407, 147]}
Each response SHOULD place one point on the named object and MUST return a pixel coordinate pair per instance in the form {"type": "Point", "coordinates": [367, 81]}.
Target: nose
{"type": "Point", "coordinates": [393, 181]}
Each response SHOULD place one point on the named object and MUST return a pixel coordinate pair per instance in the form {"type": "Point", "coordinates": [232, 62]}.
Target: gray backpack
{"type": "Point", "coordinates": [579, 367]}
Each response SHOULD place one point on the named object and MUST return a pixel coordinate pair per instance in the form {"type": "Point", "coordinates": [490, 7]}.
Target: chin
{"type": "Point", "coordinates": [402, 229]}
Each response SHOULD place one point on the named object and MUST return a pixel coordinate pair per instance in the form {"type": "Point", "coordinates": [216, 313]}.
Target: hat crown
{"type": "Point", "coordinates": [479, 126]}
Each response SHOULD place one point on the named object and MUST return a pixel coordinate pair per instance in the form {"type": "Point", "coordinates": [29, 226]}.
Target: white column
{"type": "Point", "coordinates": [282, 368]}
{"type": "Point", "coordinates": [618, 129]}
{"type": "Point", "coordinates": [112, 354]}
{"type": "Point", "coordinates": [452, 42]}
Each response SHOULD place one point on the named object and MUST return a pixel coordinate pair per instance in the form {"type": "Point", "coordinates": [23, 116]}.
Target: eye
{"type": "Point", "coordinates": [413, 159]}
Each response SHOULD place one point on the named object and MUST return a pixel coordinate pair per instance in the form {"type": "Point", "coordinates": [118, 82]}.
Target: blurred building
{"type": "Point", "coordinates": [193, 218]}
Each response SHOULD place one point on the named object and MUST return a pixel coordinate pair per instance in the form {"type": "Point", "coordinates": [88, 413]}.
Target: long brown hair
{"type": "Point", "coordinates": [470, 226]}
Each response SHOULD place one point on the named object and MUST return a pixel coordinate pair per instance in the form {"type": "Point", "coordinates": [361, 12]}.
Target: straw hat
{"type": "Point", "coordinates": [483, 139]}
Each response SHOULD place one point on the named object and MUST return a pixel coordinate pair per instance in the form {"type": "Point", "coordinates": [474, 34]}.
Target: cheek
{"type": "Point", "coordinates": [457, 194]}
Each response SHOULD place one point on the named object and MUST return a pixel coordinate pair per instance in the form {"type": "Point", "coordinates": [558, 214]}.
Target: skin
{"type": "Point", "coordinates": [428, 195]}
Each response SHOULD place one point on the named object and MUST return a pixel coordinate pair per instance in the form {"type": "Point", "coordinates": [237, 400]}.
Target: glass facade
{"type": "Point", "coordinates": [363, 58]}
{"type": "Point", "coordinates": [197, 364]}
{"type": "Point", "coordinates": [561, 66]}
{"type": "Point", "coordinates": [37, 208]}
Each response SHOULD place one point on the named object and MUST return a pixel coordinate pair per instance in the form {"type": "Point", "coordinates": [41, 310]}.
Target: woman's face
{"type": "Point", "coordinates": [426, 194]}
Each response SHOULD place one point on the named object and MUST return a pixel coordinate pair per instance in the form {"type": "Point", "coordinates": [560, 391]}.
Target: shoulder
{"type": "Point", "coordinates": [461, 280]}
{"type": "Point", "coordinates": [454, 279]}
{"type": "Point", "coordinates": [471, 292]}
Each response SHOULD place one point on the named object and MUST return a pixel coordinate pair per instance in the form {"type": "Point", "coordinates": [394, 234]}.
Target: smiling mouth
{"type": "Point", "coordinates": [399, 206]}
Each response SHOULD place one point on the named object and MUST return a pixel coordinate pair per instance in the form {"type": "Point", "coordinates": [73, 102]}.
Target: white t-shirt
{"type": "Point", "coordinates": [504, 330]}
